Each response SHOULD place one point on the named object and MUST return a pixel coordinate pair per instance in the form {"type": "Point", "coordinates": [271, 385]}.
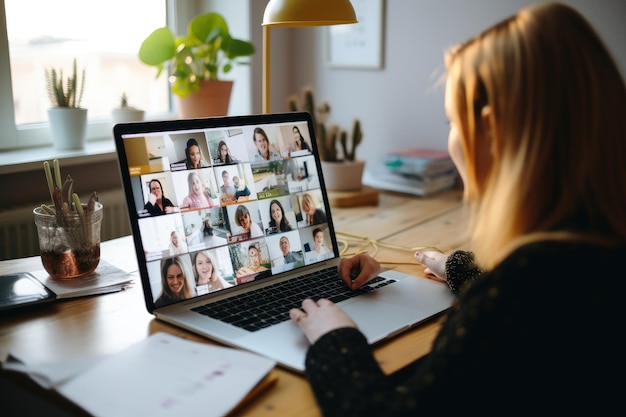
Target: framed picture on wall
{"type": "Point", "coordinates": [358, 45]}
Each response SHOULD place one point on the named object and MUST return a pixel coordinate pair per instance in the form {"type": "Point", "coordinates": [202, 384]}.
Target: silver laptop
{"type": "Point", "coordinates": [232, 227]}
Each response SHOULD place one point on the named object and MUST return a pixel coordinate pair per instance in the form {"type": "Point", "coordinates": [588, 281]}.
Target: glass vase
{"type": "Point", "coordinates": [69, 243]}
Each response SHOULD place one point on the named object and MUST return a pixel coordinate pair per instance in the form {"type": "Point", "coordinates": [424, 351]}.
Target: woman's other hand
{"type": "Point", "coordinates": [358, 270]}
{"type": "Point", "coordinates": [435, 262]}
{"type": "Point", "coordinates": [318, 318]}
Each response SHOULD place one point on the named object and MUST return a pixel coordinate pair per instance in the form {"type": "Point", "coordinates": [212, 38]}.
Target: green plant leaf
{"type": "Point", "coordinates": [158, 47]}
{"type": "Point", "coordinates": [234, 48]}
{"type": "Point", "coordinates": [206, 27]}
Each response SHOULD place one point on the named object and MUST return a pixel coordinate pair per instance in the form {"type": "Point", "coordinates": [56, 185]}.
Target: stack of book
{"type": "Point", "coordinates": [417, 171]}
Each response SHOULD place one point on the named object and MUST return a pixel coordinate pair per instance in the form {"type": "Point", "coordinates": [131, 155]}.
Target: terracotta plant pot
{"type": "Point", "coordinates": [343, 176]}
{"type": "Point", "coordinates": [213, 99]}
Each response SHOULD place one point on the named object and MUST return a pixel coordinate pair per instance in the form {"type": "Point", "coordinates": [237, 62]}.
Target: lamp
{"type": "Point", "coordinates": [299, 13]}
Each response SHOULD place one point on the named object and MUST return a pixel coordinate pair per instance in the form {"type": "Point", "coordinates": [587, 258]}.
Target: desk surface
{"type": "Point", "coordinates": [109, 323]}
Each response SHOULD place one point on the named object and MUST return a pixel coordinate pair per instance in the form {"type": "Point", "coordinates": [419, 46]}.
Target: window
{"type": "Point", "coordinates": [104, 37]}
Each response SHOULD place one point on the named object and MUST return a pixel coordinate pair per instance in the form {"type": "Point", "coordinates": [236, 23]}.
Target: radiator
{"type": "Point", "coordinates": [18, 233]}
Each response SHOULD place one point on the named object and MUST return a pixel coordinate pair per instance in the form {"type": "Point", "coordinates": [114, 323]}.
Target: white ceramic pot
{"type": "Point", "coordinates": [126, 115]}
{"type": "Point", "coordinates": [68, 127]}
{"type": "Point", "coordinates": [343, 176]}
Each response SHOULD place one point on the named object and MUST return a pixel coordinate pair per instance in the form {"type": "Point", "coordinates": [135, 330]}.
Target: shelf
{"type": "Point", "coordinates": [31, 159]}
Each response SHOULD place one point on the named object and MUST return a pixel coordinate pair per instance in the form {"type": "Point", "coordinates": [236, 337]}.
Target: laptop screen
{"type": "Point", "coordinates": [221, 202]}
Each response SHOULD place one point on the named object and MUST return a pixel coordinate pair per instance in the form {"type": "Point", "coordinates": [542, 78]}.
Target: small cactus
{"type": "Point", "coordinates": [327, 137]}
{"type": "Point", "coordinates": [65, 92]}
{"type": "Point", "coordinates": [357, 135]}
{"type": "Point", "coordinates": [124, 101]}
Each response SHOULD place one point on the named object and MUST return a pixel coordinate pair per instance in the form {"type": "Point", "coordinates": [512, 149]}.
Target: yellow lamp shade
{"type": "Point", "coordinates": [298, 13]}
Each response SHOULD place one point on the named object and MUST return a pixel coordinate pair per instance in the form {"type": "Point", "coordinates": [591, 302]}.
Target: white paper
{"type": "Point", "coordinates": [165, 375]}
{"type": "Point", "coordinates": [50, 375]}
{"type": "Point", "coordinates": [105, 279]}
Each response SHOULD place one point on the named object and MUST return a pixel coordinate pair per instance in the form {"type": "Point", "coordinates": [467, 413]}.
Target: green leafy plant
{"type": "Point", "coordinates": [201, 55]}
{"type": "Point", "coordinates": [328, 137]}
{"type": "Point", "coordinates": [65, 92]}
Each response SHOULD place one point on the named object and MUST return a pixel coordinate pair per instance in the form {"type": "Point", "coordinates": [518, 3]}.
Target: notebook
{"type": "Point", "coordinates": [232, 227]}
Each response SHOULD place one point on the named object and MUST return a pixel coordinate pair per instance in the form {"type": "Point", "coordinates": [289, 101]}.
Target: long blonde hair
{"type": "Point", "coordinates": [558, 157]}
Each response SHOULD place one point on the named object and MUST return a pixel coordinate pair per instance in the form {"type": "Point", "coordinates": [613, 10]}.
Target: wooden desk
{"type": "Point", "coordinates": [109, 323]}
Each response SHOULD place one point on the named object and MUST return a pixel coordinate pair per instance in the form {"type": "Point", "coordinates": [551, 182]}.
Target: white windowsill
{"type": "Point", "coordinates": [30, 159]}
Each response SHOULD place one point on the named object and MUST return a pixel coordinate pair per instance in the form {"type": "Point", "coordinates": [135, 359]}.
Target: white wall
{"type": "Point", "coordinates": [401, 105]}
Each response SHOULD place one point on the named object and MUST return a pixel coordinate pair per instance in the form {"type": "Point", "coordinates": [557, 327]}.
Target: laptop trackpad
{"type": "Point", "coordinates": [379, 319]}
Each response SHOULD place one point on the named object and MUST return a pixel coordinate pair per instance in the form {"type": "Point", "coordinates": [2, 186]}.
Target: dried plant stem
{"type": "Point", "coordinates": [66, 203]}
{"type": "Point", "coordinates": [46, 168]}
{"type": "Point", "coordinates": [57, 173]}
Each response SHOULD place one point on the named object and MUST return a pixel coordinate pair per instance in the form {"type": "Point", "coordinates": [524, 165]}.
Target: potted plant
{"type": "Point", "coordinates": [68, 120]}
{"type": "Point", "coordinates": [342, 170]}
{"type": "Point", "coordinates": [195, 62]}
{"type": "Point", "coordinates": [125, 113]}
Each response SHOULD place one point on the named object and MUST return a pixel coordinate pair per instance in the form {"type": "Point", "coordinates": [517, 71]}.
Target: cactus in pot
{"type": "Point", "coordinates": [65, 92]}
{"type": "Point", "coordinates": [328, 138]}
{"type": "Point", "coordinates": [68, 119]}
{"type": "Point", "coordinates": [126, 113]}
{"type": "Point", "coordinates": [342, 170]}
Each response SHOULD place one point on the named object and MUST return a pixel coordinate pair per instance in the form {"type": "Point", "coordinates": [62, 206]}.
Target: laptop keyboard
{"type": "Point", "coordinates": [270, 305]}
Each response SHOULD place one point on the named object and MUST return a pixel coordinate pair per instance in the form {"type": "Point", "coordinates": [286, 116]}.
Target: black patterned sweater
{"type": "Point", "coordinates": [461, 270]}
{"type": "Point", "coordinates": [540, 333]}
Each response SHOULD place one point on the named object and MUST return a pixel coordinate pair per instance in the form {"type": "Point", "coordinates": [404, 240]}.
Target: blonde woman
{"type": "Point", "coordinates": [312, 215]}
{"type": "Point", "coordinates": [177, 246]}
{"type": "Point", "coordinates": [245, 226]}
{"type": "Point", "coordinates": [206, 273]}
{"type": "Point", "coordinates": [537, 130]}
{"type": "Point", "coordinates": [198, 196]}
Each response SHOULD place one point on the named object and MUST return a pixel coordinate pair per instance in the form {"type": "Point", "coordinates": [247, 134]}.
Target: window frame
{"type": "Point", "coordinates": [19, 137]}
